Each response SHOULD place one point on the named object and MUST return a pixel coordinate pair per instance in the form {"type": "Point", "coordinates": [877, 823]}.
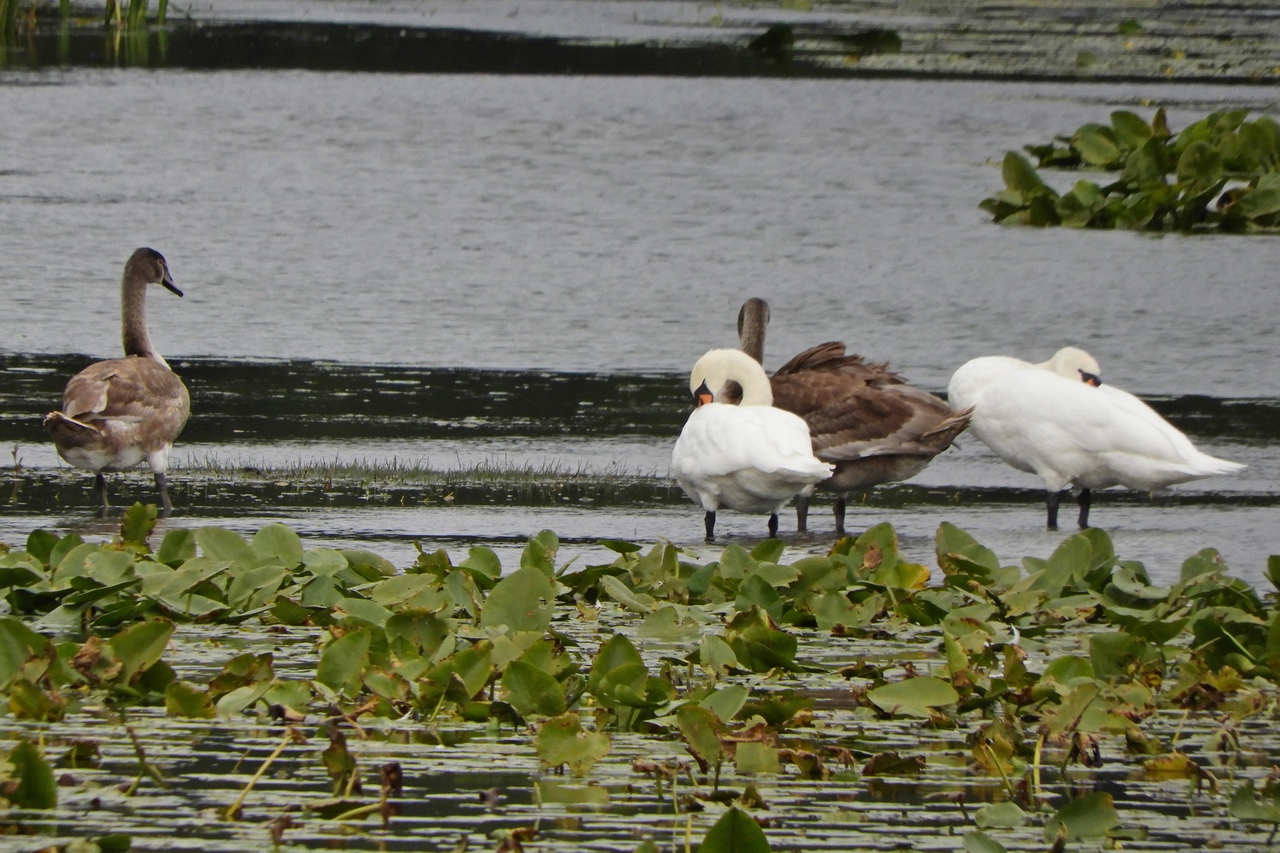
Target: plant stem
{"type": "Point", "coordinates": [233, 811]}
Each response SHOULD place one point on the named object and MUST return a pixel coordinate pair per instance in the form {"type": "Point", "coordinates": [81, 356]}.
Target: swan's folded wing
{"type": "Point", "coordinates": [830, 357]}
{"type": "Point", "coordinates": [137, 388]}
{"type": "Point", "coordinates": [875, 422]}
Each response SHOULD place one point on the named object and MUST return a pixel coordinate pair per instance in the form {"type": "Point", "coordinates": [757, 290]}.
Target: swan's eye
{"type": "Point", "coordinates": [1091, 378]}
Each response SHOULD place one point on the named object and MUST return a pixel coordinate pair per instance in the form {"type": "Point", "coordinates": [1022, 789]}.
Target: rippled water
{"type": "Point", "coordinates": [553, 227]}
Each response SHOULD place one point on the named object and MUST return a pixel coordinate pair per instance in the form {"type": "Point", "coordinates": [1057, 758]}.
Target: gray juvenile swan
{"type": "Point", "coordinates": [121, 412]}
{"type": "Point", "coordinates": [862, 417]}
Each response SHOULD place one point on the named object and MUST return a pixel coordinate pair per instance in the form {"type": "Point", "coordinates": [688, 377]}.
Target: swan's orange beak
{"type": "Point", "coordinates": [703, 396]}
{"type": "Point", "coordinates": [1091, 379]}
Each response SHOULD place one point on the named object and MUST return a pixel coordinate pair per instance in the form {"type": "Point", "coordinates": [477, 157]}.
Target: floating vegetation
{"type": "Point", "coordinates": [1220, 173]}
{"type": "Point", "coordinates": [638, 703]}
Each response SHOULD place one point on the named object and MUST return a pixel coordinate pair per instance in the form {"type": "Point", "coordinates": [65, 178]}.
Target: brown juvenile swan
{"type": "Point", "coordinates": [120, 412]}
{"type": "Point", "coordinates": [862, 417]}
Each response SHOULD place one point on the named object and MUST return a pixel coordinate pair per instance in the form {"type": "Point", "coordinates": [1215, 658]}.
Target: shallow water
{"type": "Point", "coordinates": [588, 237]}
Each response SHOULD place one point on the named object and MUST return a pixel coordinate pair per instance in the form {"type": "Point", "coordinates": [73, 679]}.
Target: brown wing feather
{"type": "Point", "coordinates": [134, 389]}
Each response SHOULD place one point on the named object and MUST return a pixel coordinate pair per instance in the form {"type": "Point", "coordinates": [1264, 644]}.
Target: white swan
{"type": "Point", "coordinates": [123, 411]}
{"type": "Point", "coordinates": [1058, 421]}
{"type": "Point", "coordinates": [862, 417]}
{"type": "Point", "coordinates": [749, 457]}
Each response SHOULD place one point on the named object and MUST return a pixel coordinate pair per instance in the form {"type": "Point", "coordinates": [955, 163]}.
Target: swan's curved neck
{"type": "Point", "coordinates": [756, 390]}
{"type": "Point", "coordinates": [133, 317]}
{"type": "Point", "coordinates": [753, 321]}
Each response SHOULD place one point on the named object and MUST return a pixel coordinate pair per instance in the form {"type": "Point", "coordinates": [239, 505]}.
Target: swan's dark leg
{"type": "Point", "coordinates": [1085, 500]}
{"type": "Point", "coordinates": [1052, 500]}
{"type": "Point", "coordinates": [100, 492]}
{"type": "Point", "coordinates": [773, 525]}
{"type": "Point", "coordinates": [710, 522]}
{"type": "Point", "coordinates": [839, 513]}
{"type": "Point", "coordinates": [802, 513]}
{"type": "Point", "coordinates": [162, 486]}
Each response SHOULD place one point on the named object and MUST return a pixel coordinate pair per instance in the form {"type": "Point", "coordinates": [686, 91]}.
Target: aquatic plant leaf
{"type": "Point", "coordinates": [618, 546]}
{"type": "Point", "coordinates": [1173, 765]}
{"type": "Point", "coordinates": [137, 523]}
{"type": "Point", "coordinates": [951, 542]}
{"type": "Point", "coordinates": [183, 699]}
{"type": "Point", "coordinates": [364, 610]}
{"type": "Point", "coordinates": [702, 731]}
{"type": "Point", "coordinates": [217, 543]}
{"type": "Point", "coordinates": [667, 625]}
{"type": "Point", "coordinates": [1091, 816]}
{"type": "Point", "coordinates": [914, 697]}
{"type": "Point", "coordinates": [754, 757]}
{"type": "Point", "coordinates": [1130, 129]}
{"type": "Point", "coordinates": [562, 740]}
{"type": "Point", "coordinates": [256, 587]}
{"type": "Point", "coordinates": [522, 601]}
{"type": "Point", "coordinates": [343, 662]}
{"type": "Point", "coordinates": [277, 544]}
{"type": "Point", "coordinates": [32, 785]}
{"type": "Point", "coordinates": [1116, 654]}
{"type": "Point", "coordinates": [366, 565]}
{"type": "Point", "coordinates": [19, 648]}
{"type": "Point", "coordinates": [1273, 570]}
{"type": "Point", "coordinates": [1097, 145]}
{"type": "Point", "coordinates": [1261, 200]}
{"type": "Point", "coordinates": [758, 643]}
{"type": "Point", "coordinates": [482, 561]}
{"type": "Point", "coordinates": [726, 702]}
{"type": "Point", "coordinates": [980, 842]}
{"type": "Point", "coordinates": [1021, 177]}
{"type": "Point", "coordinates": [735, 832]}
{"type": "Point", "coordinates": [540, 553]}
{"type": "Point", "coordinates": [735, 563]}
{"type": "Point", "coordinates": [768, 551]}
{"type": "Point", "coordinates": [1244, 805]}
{"type": "Point", "coordinates": [776, 709]}
{"type": "Point", "coordinates": [755, 591]}
{"type": "Point", "coordinates": [614, 653]}
{"type": "Point", "coordinates": [176, 547]}
{"type": "Point", "coordinates": [40, 544]}
{"type": "Point", "coordinates": [555, 791]}
{"type": "Point", "coordinates": [531, 691]}
{"type": "Point", "coordinates": [893, 764]}
{"type": "Point", "coordinates": [716, 655]}
{"type": "Point", "coordinates": [1005, 815]}
{"type": "Point", "coordinates": [411, 592]}
{"type": "Point", "coordinates": [622, 594]}
{"type": "Point", "coordinates": [28, 701]}
{"type": "Point", "coordinates": [140, 646]}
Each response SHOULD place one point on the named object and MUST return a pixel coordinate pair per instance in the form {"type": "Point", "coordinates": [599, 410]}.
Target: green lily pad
{"type": "Point", "coordinates": [914, 697]}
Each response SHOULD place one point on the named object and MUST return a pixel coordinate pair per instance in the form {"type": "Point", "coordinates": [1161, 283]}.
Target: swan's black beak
{"type": "Point", "coordinates": [167, 281]}
{"type": "Point", "coordinates": [703, 395]}
{"type": "Point", "coordinates": [1091, 379]}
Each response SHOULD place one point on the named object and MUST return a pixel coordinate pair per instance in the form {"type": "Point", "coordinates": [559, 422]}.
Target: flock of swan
{"type": "Point", "coordinates": [825, 419]}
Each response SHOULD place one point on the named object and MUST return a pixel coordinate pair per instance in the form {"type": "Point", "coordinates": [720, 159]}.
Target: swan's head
{"type": "Point", "coordinates": [149, 267]}
{"type": "Point", "coordinates": [1075, 363]}
{"type": "Point", "coordinates": [720, 366]}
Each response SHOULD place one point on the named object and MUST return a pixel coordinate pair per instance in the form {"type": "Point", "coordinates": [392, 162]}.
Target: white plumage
{"type": "Point", "coordinates": [751, 457]}
{"type": "Point", "coordinates": [1057, 420]}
